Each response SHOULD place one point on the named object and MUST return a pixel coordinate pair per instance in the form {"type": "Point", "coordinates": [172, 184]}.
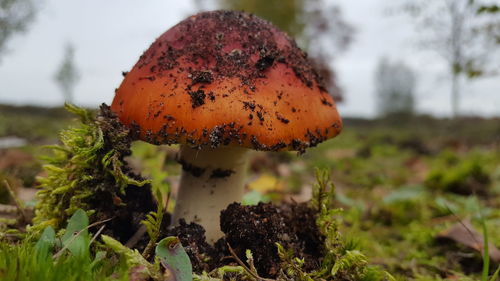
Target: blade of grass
{"type": "Point", "coordinates": [18, 202]}
{"type": "Point", "coordinates": [247, 269]}
{"type": "Point", "coordinates": [486, 254]}
{"type": "Point", "coordinates": [486, 251]}
{"type": "Point", "coordinates": [494, 277]}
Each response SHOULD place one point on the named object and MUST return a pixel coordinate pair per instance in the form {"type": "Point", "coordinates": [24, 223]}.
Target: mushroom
{"type": "Point", "coordinates": [220, 84]}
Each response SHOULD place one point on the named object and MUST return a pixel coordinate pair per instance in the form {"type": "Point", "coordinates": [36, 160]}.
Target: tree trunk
{"type": "Point", "coordinates": [455, 94]}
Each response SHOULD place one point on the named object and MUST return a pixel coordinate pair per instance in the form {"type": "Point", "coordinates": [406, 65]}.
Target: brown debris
{"type": "Point", "coordinates": [256, 228]}
{"type": "Point", "coordinates": [203, 256]}
{"type": "Point", "coordinates": [198, 76]}
{"type": "Point", "coordinates": [197, 98]}
{"type": "Point", "coordinates": [192, 169]}
{"type": "Point", "coordinates": [221, 173]}
{"type": "Point", "coordinates": [132, 206]}
{"type": "Point", "coordinates": [465, 234]}
{"type": "Point", "coordinates": [259, 227]}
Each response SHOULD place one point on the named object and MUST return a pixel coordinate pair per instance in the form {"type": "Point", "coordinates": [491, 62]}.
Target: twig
{"type": "Point", "coordinates": [168, 200]}
{"type": "Point", "coordinates": [136, 237]}
{"type": "Point", "coordinates": [18, 203]}
{"type": "Point", "coordinates": [56, 255]}
{"type": "Point", "coordinates": [97, 234]}
{"type": "Point", "coordinates": [463, 224]}
{"type": "Point", "coordinates": [240, 262]}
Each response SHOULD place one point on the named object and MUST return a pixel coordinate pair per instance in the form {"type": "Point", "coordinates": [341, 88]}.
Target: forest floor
{"type": "Point", "coordinates": [417, 196]}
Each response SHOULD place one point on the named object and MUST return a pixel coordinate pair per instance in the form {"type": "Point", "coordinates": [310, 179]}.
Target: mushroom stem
{"type": "Point", "coordinates": [212, 178]}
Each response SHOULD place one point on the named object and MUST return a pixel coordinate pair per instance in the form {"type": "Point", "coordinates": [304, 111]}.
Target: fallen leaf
{"type": "Point", "coordinates": [464, 233]}
{"type": "Point", "coordinates": [266, 183]}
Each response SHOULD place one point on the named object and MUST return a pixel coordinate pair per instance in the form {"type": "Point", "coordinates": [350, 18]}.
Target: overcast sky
{"type": "Point", "coordinates": [111, 35]}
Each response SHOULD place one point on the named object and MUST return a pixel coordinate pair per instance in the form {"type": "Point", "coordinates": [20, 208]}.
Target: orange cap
{"type": "Point", "coordinates": [227, 78]}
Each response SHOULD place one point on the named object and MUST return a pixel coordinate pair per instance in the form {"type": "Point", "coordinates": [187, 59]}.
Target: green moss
{"type": "Point", "coordinates": [462, 175]}
{"type": "Point", "coordinates": [342, 260]}
{"type": "Point", "coordinates": [89, 161]}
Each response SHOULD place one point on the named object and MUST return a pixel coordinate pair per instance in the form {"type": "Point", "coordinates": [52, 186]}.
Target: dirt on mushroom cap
{"type": "Point", "coordinates": [205, 72]}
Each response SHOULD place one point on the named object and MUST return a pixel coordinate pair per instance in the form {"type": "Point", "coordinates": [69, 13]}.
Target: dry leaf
{"type": "Point", "coordinates": [464, 233]}
{"type": "Point", "coordinates": [266, 183]}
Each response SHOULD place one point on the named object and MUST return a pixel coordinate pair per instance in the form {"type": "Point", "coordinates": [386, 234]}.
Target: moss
{"type": "Point", "coordinates": [462, 175]}
{"type": "Point", "coordinates": [86, 168]}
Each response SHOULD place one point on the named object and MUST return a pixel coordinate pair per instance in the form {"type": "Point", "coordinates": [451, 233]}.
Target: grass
{"type": "Point", "coordinates": [36, 124]}
{"type": "Point", "coordinates": [61, 257]}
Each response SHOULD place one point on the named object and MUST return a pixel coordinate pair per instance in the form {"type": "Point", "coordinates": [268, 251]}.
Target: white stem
{"type": "Point", "coordinates": [211, 180]}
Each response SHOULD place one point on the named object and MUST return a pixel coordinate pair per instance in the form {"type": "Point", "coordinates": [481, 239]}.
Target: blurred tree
{"type": "Point", "coordinates": [395, 87]}
{"type": "Point", "coordinates": [287, 15]}
{"type": "Point", "coordinates": [491, 8]}
{"type": "Point", "coordinates": [67, 74]}
{"type": "Point", "coordinates": [452, 29]}
{"type": "Point", "coordinates": [15, 16]}
{"type": "Point", "coordinates": [317, 26]}
{"type": "Point", "coordinates": [492, 27]}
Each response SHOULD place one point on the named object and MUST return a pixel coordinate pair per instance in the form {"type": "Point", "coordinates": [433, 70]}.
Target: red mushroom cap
{"type": "Point", "coordinates": [227, 78]}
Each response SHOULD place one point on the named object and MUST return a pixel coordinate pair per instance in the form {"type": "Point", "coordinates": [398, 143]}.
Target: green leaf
{"type": "Point", "coordinates": [99, 256]}
{"type": "Point", "coordinates": [254, 197]}
{"type": "Point", "coordinates": [132, 257]}
{"type": "Point", "coordinates": [77, 238]}
{"type": "Point", "coordinates": [404, 193]}
{"type": "Point", "coordinates": [46, 243]}
{"type": "Point", "coordinates": [173, 256]}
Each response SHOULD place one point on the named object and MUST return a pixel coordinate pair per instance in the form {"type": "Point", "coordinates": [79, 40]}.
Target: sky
{"type": "Point", "coordinates": [110, 35]}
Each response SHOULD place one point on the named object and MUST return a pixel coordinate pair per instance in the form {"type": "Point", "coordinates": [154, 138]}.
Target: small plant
{"type": "Point", "coordinates": [340, 260]}
{"type": "Point", "coordinates": [65, 256]}
{"type": "Point", "coordinates": [153, 223]}
{"type": "Point", "coordinates": [69, 256]}
{"type": "Point", "coordinates": [486, 254]}
{"type": "Point", "coordinates": [169, 255]}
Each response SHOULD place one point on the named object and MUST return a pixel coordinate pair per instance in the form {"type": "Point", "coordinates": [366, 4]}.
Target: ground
{"type": "Point", "coordinates": [407, 187]}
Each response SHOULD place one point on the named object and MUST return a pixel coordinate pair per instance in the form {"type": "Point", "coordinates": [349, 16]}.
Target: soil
{"type": "Point", "coordinates": [203, 256]}
{"type": "Point", "coordinates": [128, 209]}
{"type": "Point", "coordinates": [257, 228]}
{"type": "Point", "coordinates": [197, 98]}
{"type": "Point", "coordinates": [126, 212]}
{"type": "Point", "coordinates": [256, 37]}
